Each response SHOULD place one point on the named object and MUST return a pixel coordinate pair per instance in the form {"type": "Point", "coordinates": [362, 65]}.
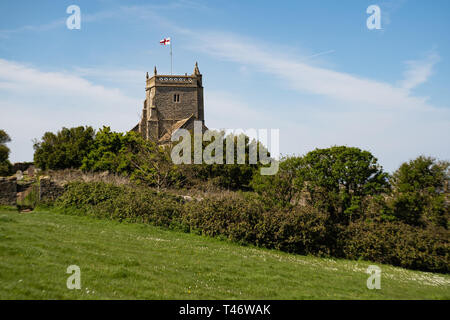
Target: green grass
{"type": "Point", "coordinates": [137, 261]}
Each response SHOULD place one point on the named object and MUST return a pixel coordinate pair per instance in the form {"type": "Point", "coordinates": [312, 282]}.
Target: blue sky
{"type": "Point", "coordinates": [310, 68]}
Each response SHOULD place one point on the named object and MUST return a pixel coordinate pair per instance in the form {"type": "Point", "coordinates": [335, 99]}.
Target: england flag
{"type": "Point", "coordinates": [165, 41]}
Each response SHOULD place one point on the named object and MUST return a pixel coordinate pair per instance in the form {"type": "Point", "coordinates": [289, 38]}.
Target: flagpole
{"type": "Point", "coordinates": [171, 56]}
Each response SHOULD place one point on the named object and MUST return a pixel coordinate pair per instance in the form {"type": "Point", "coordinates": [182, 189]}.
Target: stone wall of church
{"type": "Point", "coordinates": [169, 109]}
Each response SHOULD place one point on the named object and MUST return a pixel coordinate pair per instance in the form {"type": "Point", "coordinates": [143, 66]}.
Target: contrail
{"type": "Point", "coordinates": [320, 54]}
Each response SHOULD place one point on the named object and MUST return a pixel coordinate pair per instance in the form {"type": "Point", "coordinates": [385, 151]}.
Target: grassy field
{"type": "Point", "coordinates": [136, 261]}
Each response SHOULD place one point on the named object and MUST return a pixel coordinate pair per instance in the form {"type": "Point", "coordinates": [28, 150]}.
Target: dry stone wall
{"type": "Point", "coordinates": [49, 190]}
{"type": "Point", "coordinates": [8, 191]}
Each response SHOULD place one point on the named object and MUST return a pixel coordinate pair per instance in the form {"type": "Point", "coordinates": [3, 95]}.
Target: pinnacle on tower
{"type": "Point", "coordinates": [196, 71]}
{"type": "Point", "coordinates": [154, 71]}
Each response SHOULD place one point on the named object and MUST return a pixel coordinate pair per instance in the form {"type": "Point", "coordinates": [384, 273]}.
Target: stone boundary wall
{"type": "Point", "coordinates": [8, 191]}
{"type": "Point", "coordinates": [50, 186]}
{"type": "Point", "coordinates": [49, 190]}
{"type": "Point", "coordinates": [22, 166]}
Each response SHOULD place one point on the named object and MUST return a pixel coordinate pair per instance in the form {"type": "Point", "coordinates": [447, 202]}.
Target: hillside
{"type": "Point", "coordinates": [137, 261]}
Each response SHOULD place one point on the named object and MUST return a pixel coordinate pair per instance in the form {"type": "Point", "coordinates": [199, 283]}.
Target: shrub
{"type": "Point", "coordinates": [398, 244]}
{"type": "Point", "coordinates": [30, 199]}
{"type": "Point", "coordinates": [301, 231]}
{"type": "Point", "coordinates": [123, 202]}
{"type": "Point", "coordinates": [234, 217]}
{"type": "Point", "coordinates": [243, 218]}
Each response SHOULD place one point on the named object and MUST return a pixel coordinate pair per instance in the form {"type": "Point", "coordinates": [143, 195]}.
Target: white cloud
{"type": "Point", "coordinates": [383, 118]}
{"type": "Point", "coordinates": [148, 11]}
{"type": "Point", "coordinates": [392, 135]}
{"type": "Point", "coordinates": [33, 101]}
{"type": "Point", "coordinates": [112, 75]}
{"type": "Point", "coordinates": [6, 33]}
{"type": "Point", "coordinates": [419, 71]}
{"type": "Point", "coordinates": [303, 76]}
{"type": "Point", "coordinates": [388, 8]}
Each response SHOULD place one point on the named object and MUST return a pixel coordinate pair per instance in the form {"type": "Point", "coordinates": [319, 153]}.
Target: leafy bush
{"type": "Point", "coordinates": [234, 217]}
{"type": "Point", "coordinates": [121, 203]}
{"type": "Point", "coordinates": [397, 244]}
{"type": "Point", "coordinates": [31, 198]}
{"type": "Point", "coordinates": [243, 218]}
{"type": "Point", "coordinates": [301, 230]}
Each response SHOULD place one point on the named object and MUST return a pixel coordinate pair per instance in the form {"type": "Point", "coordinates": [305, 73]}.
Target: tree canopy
{"type": "Point", "coordinates": [333, 179]}
{"type": "Point", "coordinates": [5, 165]}
{"type": "Point", "coordinates": [420, 191]}
{"type": "Point", "coordinates": [65, 149]}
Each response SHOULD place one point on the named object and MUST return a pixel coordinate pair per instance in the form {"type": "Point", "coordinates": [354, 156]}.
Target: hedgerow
{"type": "Point", "coordinates": [246, 219]}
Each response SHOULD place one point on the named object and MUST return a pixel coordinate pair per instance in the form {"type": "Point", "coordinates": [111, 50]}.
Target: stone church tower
{"type": "Point", "coordinates": [171, 102]}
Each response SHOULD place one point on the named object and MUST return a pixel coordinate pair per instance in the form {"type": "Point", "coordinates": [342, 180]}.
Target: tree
{"type": "Point", "coordinates": [283, 188]}
{"type": "Point", "coordinates": [65, 149]}
{"type": "Point", "coordinates": [129, 154]}
{"type": "Point", "coordinates": [4, 137]}
{"type": "Point", "coordinates": [338, 178]}
{"type": "Point", "coordinates": [423, 174]}
{"type": "Point", "coordinates": [420, 191]}
{"type": "Point", "coordinates": [5, 165]}
{"type": "Point", "coordinates": [230, 175]}
{"type": "Point", "coordinates": [112, 151]}
{"type": "Point", "coordinates": [335, 180]}
{"type": "Point", "coordinates": [153, 166]}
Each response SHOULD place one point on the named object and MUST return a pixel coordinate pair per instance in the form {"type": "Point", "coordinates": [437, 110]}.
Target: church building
{"type": "Point", "coordinates": [171, 102]}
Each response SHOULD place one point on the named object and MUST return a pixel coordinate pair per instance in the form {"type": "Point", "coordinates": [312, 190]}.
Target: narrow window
{"type": "Point", "coordinates": [176, 97]}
